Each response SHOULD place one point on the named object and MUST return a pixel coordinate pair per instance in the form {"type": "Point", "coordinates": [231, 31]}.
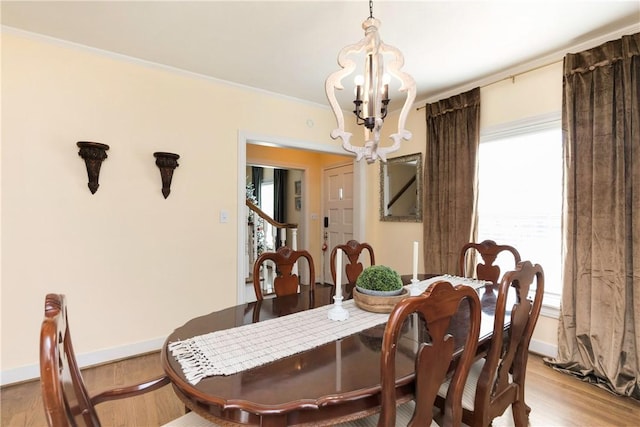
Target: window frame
{"type": "Point", "coordinates": [528, 125]}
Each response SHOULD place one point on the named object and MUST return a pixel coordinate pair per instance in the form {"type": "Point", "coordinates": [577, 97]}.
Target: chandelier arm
{"type": "Point", "coordinates": [394, 66]}
{"type": "Point", "coordinates": [402, 117]}
{"type": "Point", "coordinates": [334, 81]}
{"type": "Point", "coordinates": [408, 85]}
{"type": "Point", "coordinates": [335, 106]}
{"type": "Point", "coordinates": [346, 144]}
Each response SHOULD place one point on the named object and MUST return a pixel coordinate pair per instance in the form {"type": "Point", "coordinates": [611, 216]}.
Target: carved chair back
{"type": "Point", "coordinates": [66, 400]}
{"type": "Point", "coordinates": [352, 250]}
{"type": "Point", "coordinates": [489, 251]}
{"type": "Point", "coordinates": [285, 282]}
{"type": "Point", "coordinates": [501, 381]}
{"type": "Point", "coordinates": [65, 397]}
{"type": "Point", "coordinates": [437, 307]}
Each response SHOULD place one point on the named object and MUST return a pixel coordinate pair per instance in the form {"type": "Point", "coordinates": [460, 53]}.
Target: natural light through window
{"type": "Point", "coordinates": [520, 200]}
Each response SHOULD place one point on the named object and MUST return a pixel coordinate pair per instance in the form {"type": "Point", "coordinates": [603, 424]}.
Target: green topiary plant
{"type": "Point", "coordinates": [379, 278]}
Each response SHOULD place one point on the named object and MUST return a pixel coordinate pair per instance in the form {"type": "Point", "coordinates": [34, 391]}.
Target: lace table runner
{"type": "Point", "coordinates": [234, 350]}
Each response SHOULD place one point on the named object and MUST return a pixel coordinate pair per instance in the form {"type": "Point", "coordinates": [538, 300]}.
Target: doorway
{"type": "Point", "coordinates": [312, 218]}
{"type": "Point", "coordinates": [277, 192]}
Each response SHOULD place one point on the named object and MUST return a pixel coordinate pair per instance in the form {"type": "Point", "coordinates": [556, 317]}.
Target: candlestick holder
{"type": "Point", "coordinates": [414, 289]}
{"type": "Point", "coordinates": [338, 312]}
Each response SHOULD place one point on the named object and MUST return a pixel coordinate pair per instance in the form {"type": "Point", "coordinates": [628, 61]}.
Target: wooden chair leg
{"type": "Point", "coordinates": [520, 417]}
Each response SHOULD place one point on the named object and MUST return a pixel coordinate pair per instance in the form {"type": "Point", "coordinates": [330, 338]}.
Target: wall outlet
{"type": "Point", "coordinates": [224, 216]}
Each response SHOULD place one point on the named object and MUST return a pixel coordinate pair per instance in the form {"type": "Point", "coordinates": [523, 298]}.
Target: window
{"type": "Point", "coordinates": [520, 195]}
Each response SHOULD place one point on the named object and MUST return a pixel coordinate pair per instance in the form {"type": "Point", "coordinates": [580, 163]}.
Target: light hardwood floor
{"type": "Point", "coordinates": [556, 399]}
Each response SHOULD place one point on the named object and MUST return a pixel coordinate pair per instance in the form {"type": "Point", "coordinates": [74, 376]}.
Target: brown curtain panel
{"type": "Point", "coordinates": [450, 179]}
{"type": "Point", "coordinates": [599, 332]}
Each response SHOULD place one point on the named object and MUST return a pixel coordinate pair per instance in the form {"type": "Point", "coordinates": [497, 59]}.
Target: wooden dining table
{"type": "Point", "coordinates": [325, 385]}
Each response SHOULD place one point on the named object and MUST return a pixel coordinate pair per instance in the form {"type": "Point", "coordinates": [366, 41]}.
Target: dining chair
{"type": "Point", "coordinates": [437, 307]}
{"type": "Point", "coordinates": [489, 251]}
{"type": "Point", "coordinates": [498, 381]}
{"type": "Point", "coordinates": [66, 399]}
{"type": "Point", "coordinates": [353, 267]}
{"type": "Point", "coordinates": [285, 282]}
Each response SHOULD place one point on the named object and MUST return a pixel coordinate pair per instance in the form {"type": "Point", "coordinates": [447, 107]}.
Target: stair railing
{"type": "Point", "coordinates": [276, 230]}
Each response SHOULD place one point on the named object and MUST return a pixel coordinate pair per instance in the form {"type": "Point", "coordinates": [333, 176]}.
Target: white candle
{"type": "Point", "coordinates": [339, 273]}
{"type": "Point", "coordinates": [415, 260]}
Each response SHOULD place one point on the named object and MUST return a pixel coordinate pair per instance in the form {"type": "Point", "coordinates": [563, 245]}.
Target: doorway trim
{"type": "Point", "coordinates": [244, 138]}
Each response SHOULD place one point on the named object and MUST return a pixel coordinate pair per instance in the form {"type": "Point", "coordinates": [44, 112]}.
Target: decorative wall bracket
{"type": "Point", "coordinates": [167, 162]}
{"type": "Point", "coordinates": [93, 154]}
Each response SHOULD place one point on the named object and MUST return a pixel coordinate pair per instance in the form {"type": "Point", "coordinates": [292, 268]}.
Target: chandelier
{"type": "Point", "coordinates": [371, 92]}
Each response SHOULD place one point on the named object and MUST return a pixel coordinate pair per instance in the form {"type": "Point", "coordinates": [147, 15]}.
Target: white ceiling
{"type": "Point", "coordinates": [290, 47]}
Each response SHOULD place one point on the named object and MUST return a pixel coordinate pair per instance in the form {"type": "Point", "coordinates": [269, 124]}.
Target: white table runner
{"type": "Point", "coordinates": [234, 350]}
{"type": "Point", "coordinates": [230, 351]}
{"type": "Point", "coordinates": [454, 280]}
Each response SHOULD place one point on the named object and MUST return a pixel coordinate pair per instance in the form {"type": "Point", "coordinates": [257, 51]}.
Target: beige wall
{"type": "Point", "coordinates": [134, 265]}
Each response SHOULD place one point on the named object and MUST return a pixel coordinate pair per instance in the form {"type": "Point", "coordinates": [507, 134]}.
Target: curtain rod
{"type": "Point", "coordinates": [511, 77]}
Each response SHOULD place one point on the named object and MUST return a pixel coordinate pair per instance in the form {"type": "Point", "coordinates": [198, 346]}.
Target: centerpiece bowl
{"type": "Point", "coordinates": [377, 303]}
{"type": "Point", "coordinates": [378, 289]}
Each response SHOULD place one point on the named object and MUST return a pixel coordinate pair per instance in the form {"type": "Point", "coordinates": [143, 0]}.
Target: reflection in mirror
{"type": "Point", "coordinates": [401, 189]}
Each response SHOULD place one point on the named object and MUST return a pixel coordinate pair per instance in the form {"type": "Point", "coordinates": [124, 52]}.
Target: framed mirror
{"type": "Point", "coordinates": [401, 189]}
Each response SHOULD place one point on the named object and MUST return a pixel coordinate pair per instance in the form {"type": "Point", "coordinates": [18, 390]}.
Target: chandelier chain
{"type": "Point", "coordinates": [370, 8]}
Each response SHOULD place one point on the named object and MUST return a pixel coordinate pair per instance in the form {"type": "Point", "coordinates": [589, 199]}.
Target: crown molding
{"type": "Point", "coordinates": [150, 64]}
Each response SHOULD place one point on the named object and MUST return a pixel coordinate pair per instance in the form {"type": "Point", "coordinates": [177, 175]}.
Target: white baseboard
{"type": "Point", "coordinates": [31, 372]}
{"type": "Point", "coordinates": [543, 348]}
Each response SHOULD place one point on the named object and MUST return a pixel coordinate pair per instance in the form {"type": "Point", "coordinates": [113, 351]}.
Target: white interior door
{"type": "Point", "coordinates": [338, 211]}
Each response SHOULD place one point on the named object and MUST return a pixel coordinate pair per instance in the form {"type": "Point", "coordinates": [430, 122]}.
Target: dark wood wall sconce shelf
{"type": "Point", "coordinates": [167, 162]}
{"type": "Point", "coordinates": [93, 154]}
